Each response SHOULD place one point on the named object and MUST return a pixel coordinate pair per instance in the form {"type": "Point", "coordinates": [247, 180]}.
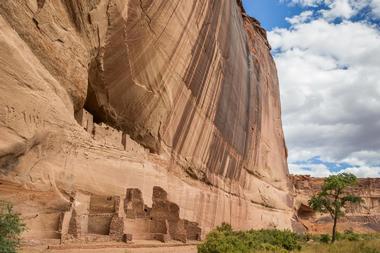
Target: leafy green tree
{"type": "Point", "coordinates": [334, 196]}
{"type": "Point", "coordinates": [11, 227]}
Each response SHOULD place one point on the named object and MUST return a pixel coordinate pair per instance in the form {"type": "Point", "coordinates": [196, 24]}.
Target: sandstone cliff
{"type": "Point", "coordinates": [362, 218]}
{"type": "Point", "coordinates": [106, 103]}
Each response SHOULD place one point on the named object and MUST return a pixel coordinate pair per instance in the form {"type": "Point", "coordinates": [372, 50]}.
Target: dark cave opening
{"type": "Point", "coordinates": [92, 106]}
{"type": "Point", "coordinates": [305, 212]}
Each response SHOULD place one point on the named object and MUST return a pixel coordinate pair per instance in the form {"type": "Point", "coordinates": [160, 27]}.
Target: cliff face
{"type": "Point", "coordinates": [104, 101]}
{"type": "Point", "coordinates": [362, 218]}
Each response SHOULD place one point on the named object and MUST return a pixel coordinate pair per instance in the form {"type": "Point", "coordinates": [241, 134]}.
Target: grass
{"type": "Point", "coordinates": [224, 240]}
{"type": "Point", "coordinates": [368, 246]}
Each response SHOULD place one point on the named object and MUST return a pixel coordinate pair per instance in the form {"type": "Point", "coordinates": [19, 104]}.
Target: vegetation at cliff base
{"type": "Point", "coordinates": [367, 246]}
{"type": "Point", "coordinates": [11, 227]}
{"type": "Point", "coordinates": [224, 240]}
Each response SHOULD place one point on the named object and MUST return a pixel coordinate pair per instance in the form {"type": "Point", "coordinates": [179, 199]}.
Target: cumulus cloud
{"type": "Point", "coordinates": [314, 170]}
{"type": "Point", "coordinates": [364, 171]}
{"type": "Point", "coordinates": [301, 18]}
{"type": "Point", "coordinates": [330, 86]}
{"type": "Point", "coordinates": [339, 8]}
{"type": "Point", "coordinates": [375, 6]}
{"type": "Point", "coordinates": [320, 170]}
{"type": "Point", "coordinates": [304, 2]}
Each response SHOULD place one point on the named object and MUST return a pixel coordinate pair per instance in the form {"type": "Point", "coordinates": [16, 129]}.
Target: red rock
{"type": "Point", "coordinates": [360, 218]}
{"type": "Point", "coordinates": [191, 81]}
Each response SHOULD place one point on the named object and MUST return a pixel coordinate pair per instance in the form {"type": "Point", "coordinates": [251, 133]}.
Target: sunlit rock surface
{"type": "Point", "coordinates": [101, 96]}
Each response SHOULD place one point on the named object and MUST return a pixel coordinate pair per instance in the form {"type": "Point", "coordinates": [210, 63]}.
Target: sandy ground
{"type": "Point", "coordinates": [183, 249]}
{"type": "Point", "coordinates": [136, 247]}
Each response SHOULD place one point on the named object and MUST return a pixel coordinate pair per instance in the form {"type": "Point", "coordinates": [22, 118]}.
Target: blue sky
{"type": "Point", "coordinates": [271, 13]}
{"type": "Point", "coordinates": [327, 54]}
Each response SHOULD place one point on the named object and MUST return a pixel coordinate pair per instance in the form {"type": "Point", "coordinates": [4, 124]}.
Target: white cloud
{"type": "Point", "coordinates": [314, 170]}
{"type": "Point", "coordinates": [375, 6]}
{"type": "Point", "coordinates": [304, 2]}
{"type": "Point", "coordinates": [339, 8]}
{"type": "Point", "coordinates": [330, 88]}
{"type": "Point", "coordinates": [301, 18]}
{"type": "Point", "coordinates": [364, 171]}
{"type": "Point", "coordinates": [320, 170]}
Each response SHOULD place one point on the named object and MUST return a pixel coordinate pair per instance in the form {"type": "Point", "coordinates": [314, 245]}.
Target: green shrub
{"type": "Point", "coordinates": [220, 242]}
{"type": "Point", "coordinates": [224, 240]}
{"type": "Point", "coordinates": [11, 227]}
{"type": "Point", "coordinates": [350, 236]}
{"type": "Point", "coordinates": [325, 238]}
{"type": "Point", "coordinates": [225, 228]}
{"type": "Point", "coordinates": [283, 239]}
{"type": "Point", "coordinates": [306, 237]}
{"type": "Point", "coordinates": [347, 235]}
{"type": "Point", "coordinates": [268, 247]}
{"type": "Point", "coordinates": [339, 236]}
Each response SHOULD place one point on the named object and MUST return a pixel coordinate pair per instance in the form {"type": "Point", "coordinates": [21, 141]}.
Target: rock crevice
{"type": "Point", "coordinates": [175, 95]}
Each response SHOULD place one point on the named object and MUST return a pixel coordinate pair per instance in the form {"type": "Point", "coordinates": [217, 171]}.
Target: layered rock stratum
{"type": "Point", "coordinates": [139, 119]}
{"type": "Point", "coordinates": [363, 218]}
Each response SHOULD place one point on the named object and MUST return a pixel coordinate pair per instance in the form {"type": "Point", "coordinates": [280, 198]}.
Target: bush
{"type": "Point", "coordinates": [225, 228]}
{"type": "Point", "coordinates": [11, 227]}
{"type": "Point", "coordinates": [305, 237]}
{"type": "Point", "coordinates": [282, 239]}
{"type": "Point", "coordinates": [325, 238]}
{"type": "Point", "coordinates": [224, 240]}
{"type": "Point", "coordinates": [350, 236]}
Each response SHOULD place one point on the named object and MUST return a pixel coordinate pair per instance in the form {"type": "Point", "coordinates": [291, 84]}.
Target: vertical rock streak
{"type": "Point", "coordinates": [193, 81]}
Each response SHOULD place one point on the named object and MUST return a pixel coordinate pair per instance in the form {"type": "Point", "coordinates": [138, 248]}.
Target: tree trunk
{"type": "Point", "coordinates": [336, 212]}
{"type": "Point", "coordinates": [334, 229]}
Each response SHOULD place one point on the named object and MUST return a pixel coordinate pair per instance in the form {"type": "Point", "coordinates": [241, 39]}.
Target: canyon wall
{"type": "Point", "coordinates": [360, 218]}
{"type": "Point", "coordinates": [104, 101]}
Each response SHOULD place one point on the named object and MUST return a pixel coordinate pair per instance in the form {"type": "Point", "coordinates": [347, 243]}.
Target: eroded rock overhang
{"type": "Point", "coordinates": [192, 81]}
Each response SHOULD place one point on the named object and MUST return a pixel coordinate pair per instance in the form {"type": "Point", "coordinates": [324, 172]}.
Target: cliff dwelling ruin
{"type": "Point", "coordinates": [140, 120]}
